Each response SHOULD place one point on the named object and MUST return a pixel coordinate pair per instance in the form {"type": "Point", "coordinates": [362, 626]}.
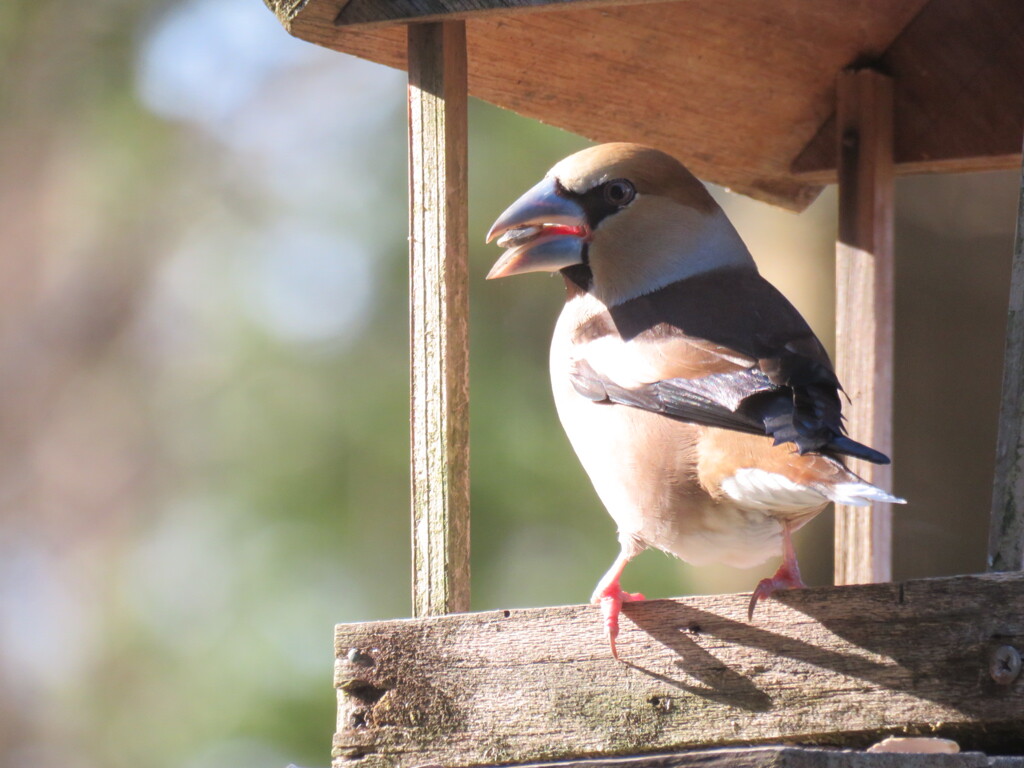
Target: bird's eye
{"type": "Point", "coordinates": [619, 192]}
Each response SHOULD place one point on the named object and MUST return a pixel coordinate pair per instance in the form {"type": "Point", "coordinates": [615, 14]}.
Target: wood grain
{"type": "Point", "coordinates": [1006, 534]}
{"type": "Point", "coordinates": [824, 666]}
{"type": "Point", "coordinates": [958, 69]}
{"type": "Point", "coordinates": [864, 312]}
{"type": "Point", "coordinates": [793, 757]}
{"type": "Point", "coordinates": [439, 312]}
{"type": "Point", "coordinates": [733, 89]}
{"type": "Point", "coordinates": [736, 90]}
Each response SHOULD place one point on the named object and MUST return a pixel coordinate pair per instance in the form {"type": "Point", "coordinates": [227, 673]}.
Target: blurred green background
{"type": "Point", "coordinates": [203, 384]}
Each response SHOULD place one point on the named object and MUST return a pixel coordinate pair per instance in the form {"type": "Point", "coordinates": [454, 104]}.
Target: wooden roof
{"type": "Point", "coordinates": [742, 92]}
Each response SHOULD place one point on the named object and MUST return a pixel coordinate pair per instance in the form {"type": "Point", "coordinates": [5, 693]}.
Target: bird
{"type": "Point", "coordinates": [702, 406]}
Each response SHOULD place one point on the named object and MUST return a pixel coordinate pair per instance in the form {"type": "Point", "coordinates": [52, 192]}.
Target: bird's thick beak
{"type": "Point", "coordinates": [544, 231]}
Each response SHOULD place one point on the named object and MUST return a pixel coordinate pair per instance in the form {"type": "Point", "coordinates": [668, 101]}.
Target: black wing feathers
{"type": "Point", "coordinates": [790, 394]}
{"type": "Point", "coordinates": [707, 403]}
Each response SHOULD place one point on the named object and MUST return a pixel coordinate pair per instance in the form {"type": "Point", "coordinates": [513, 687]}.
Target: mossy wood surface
{"type": "Point", "coordinates": [742, 92]}
{"type": "Point", "coordinates": [831, 665]}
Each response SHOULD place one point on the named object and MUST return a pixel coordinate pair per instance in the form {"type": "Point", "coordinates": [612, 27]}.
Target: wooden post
{"type": "Point", "coordinates": [1006, 535]}
{"type": "Point", "coordinates": [864, 310]}
{"type": "Point", "coordinates": [439, 310]}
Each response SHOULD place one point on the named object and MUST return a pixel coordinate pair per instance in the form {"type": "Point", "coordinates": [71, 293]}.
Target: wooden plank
{"type": "Point", "coordinates": [824, 173]}
{"type": "Point", "coordinates": [821, 666]}
{"type": "Point", "coordinates": [708, 82]}
{"type": "Point", "coordinates": [439, 312]}
{"type": "Point", "coordinates": [793, 757]}
{"type": "Point", "coordinates": [368, 13]}
{"type": "Point", "coordinates": [1006, 535]}
{"type": "Point", "coordinates": [741, 92]}
{"type": "Point", "coordinates": [864, 312]}
{"type": "Point", "coordinates": [960, 106]}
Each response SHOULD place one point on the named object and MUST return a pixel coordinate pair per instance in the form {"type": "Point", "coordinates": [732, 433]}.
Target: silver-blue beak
{"type": "Point", "coordinates": [544, 231]}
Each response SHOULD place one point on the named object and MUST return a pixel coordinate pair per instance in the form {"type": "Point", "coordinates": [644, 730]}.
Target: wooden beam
{"type": "Point", "coordinates": [864, 311]}
{"type": "Point", "coordinates": [709, 97]}
{"type": "Point", "coordinates": [828, 665]}
{"type": "Point", "coordinates": [828, 174]}
{"type": "Point", "coordinates": [370, 13]}
{"type": "Point", "coordinates": [793, 757]}
{"type": "Point", "coordinates": [1006, 535]}
{"type": "Point", "coordinates": [743, 94]}
{"type": "Point", "coordinates": [439, 311]}
{"type": "Point", "coordinates": [957, 69]}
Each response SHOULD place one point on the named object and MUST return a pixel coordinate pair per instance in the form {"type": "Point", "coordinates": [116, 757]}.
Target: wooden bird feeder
{"type": "Point", "coordinates": [773, 100]}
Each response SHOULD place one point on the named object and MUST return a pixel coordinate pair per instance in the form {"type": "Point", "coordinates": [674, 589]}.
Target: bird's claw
{"type": "Point", "coordinates": [611, 601]}
{"type": "Point", "coordinates": [784, 579]}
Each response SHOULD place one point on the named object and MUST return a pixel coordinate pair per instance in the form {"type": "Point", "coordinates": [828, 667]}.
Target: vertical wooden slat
{"type": "Point", "coordinates": [864, 311]}
{"type": "Point", "coordinates": [439, 309]}
{"type": "Point", "coordinates": [1006, 535]}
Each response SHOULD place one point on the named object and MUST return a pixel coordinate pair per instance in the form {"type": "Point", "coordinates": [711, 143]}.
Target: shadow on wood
{"type": "Point", "coordinates": [834, 665]}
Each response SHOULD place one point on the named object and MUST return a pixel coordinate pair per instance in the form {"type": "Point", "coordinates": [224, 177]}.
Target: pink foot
{"type": "Point", "coordinates": [611, 599]}
{"type": "Point", "coordinates": [785, 578]}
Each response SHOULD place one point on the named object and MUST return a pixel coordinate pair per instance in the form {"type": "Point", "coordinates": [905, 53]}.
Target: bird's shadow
{"type": "Point", "coordinates": [720, 683]}
{"type": "Point", "coordinates": [885, 645]}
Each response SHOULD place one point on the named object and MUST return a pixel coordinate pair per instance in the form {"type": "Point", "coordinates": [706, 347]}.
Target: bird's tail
{"type": "Point", "coordinates": [844, 445]}
{"type": "Point", "coordinates": [860, 493]}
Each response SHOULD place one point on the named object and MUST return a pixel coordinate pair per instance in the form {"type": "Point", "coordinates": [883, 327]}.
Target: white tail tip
{"type": "Point", "coordinates": [861, 494]}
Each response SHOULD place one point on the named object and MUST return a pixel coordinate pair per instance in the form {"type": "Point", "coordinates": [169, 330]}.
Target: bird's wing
{"type": "Point", "coordinates": [702, 401]}
{"type": "Point", "coordinates": [724, 349]}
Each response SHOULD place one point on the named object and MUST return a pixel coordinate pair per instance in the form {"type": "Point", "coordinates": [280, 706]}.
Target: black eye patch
{"type": "Point", "coordinates": [604, 199]}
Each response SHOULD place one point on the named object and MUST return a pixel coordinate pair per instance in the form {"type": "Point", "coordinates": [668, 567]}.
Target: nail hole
{"type": "Point", "coordinates": [664, 703]}
{"type": "Point", "coordinates": [363, 691]}
{"type": "Point", "coordinates": [356, 656]}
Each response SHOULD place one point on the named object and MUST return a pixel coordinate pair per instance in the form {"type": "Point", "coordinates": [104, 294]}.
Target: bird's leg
{"type": "Point", "coordinates": [787, 577]}
{"type": "Point", "coordinates": [610, 597]}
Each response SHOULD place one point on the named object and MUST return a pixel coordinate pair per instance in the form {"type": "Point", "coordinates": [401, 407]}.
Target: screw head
{"type": "Point", "coordinates": [1005, 664]}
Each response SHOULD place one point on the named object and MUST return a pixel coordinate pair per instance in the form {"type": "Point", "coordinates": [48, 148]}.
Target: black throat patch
{"type": "Point", "coordinates": [580, 276]}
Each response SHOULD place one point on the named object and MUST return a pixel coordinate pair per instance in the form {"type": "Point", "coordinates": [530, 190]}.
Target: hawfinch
{"type": "Point", "coordinates": [702, 406]}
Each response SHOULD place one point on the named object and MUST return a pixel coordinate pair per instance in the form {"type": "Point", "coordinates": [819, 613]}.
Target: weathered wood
{"type": "Point", "coordinates": [793, 757]}
{"type": "Point", "coordinates": [1006, 535]}
{"type": "Point", "coordinates": [864, 312]}
{"type": "Point", "coordinates": [957, 69]}
{"type": "Point", "coordinates": [372, 12]}
{"type": "Point", "coordinates": [830, 665]}
{"type": "Point", "coordinates": [736, 90]}
{"type": "Point", "coordinates": [439, 312]}
{"type": "Point", "coordinates": [701, 66]}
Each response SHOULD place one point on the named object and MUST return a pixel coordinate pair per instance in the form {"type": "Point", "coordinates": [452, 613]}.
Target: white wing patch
{"type": "Point", "coordinates": [756, 489]}
{"type": "Point", "coordinates": [624, 363]}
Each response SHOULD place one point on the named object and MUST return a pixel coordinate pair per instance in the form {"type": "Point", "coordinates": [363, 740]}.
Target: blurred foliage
{"type": "Point", "coordinates": [203, 328]}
